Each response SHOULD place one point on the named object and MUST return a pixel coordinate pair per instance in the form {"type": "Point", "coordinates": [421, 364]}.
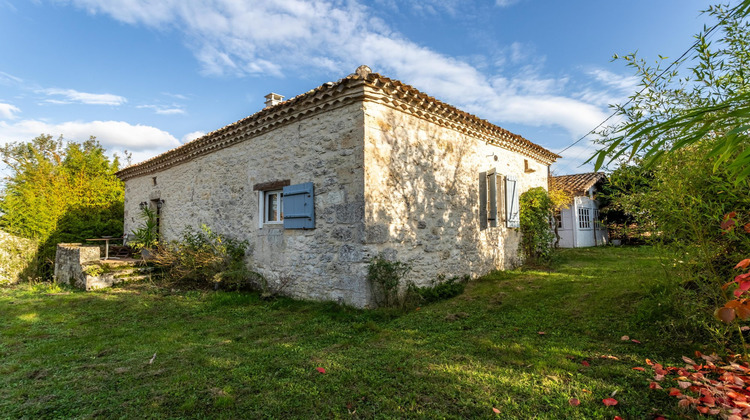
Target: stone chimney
{"type": "Point", "coordinates": [273, 99]}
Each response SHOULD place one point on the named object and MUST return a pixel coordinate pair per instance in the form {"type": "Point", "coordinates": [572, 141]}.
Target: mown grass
{"type": "Point", "coordinates": [71, 354]}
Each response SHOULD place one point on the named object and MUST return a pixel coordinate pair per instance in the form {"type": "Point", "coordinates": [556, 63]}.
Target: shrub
{"type": "Point", "coordinates": [441, 289]}
{"type": "Point", "coordinates": [94, 270]}
{"type": "Point", "coordinates": [208, 259]}
{"type": "Point", "coordinates": [536, 235]}
{"type": "Point", "coordinates": [146, 235]}
{"type": "Point", "coordinates": [385, 277]}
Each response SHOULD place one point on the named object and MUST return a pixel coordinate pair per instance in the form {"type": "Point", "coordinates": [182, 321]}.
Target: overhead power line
{"type": "Point", "coordinates": [648, 85]}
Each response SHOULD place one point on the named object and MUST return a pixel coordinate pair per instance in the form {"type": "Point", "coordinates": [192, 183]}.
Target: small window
{"type": "Point", "coordinates": [273, 207]}
{"type": "Point", "coordinates": [584, 218]}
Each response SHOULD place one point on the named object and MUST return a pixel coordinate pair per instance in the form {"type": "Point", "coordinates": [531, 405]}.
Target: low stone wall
{"type": "Point", "coordinates": [79, 266]}
{"type": "Point", "coordinates": [69, 262]}
{"type": "Point", "coordinates": [15, 256]}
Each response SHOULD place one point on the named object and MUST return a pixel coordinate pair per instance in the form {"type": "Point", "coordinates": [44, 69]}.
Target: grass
{"type": "Point", "coordinates": [71, 354]}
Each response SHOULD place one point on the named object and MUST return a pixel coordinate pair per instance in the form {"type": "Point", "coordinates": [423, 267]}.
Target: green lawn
{"type": "Point", "coordinates": [71, 354]}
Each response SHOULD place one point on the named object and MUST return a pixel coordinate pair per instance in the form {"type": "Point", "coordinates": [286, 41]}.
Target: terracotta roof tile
{"type": "Point", "coordinates": [576, 184]}
{"type": "Point", "coordinates": [329, 94]}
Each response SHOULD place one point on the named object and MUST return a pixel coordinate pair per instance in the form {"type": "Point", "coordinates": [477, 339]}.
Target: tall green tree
{"type": "Point", "coordinates": [60, 191]}
{"type": "Point", "coordinates": [688, 130]}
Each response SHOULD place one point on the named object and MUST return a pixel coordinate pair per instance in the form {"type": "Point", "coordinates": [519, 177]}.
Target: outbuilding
{"type": "Point", "coordinates": [579, 225]}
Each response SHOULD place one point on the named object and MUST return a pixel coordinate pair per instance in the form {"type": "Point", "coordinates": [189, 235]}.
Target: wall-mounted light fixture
{"type": "Point", "coordinates": [159, 203]}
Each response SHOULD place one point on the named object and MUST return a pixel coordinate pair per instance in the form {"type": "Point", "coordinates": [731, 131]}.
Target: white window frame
{"type": "Point", "coordinates": [584, 218]}
{"type": "Point", "coordinates": [263, 207]}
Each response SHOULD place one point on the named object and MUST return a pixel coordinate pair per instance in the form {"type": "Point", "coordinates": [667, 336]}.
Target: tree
{"type": "Point", "coordinates": [60, 192]}
{"type": "Point", "coordinates": [623, 201]}
{"type": "Point", "coordinates": [688, 130]}
{"type": "Point", "coordinates": [559, 200]}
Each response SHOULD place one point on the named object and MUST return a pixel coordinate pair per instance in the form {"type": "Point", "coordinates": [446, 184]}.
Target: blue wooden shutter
{"type": "Point", "coordinates": [298, 206]}
{"type": "Point", "coordinates": [512, 216]}
{"type": "Point", "coordinates": [482, 200]}
{"type": "Point", "coordinates": [492, 193]}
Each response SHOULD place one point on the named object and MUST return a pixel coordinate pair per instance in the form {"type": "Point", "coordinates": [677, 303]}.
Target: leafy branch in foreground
{"type": "Point", "coordinates": [673, 111]}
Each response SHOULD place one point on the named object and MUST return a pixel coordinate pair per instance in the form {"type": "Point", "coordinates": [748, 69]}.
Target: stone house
{"type": "Point", "coordinates": [322, 182]}
{"type": "Point", "coordinates": [578, 225]}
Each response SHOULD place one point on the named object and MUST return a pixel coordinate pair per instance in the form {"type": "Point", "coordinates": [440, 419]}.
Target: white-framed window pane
{"type": "Point", "coordinates": [584, 218]}
{"type": "Point", "coordinates": [273, 207]}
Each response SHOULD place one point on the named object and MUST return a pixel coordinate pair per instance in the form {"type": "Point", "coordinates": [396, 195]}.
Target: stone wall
{"type": "Point", "coordinates": [69, 262]}
{"type": "Point", "coordinates": [326, 148]}
{"type": "Point", "coordinates": [15, 256]}
{"type": "Point", "coordinates": [79, 266]}
{"type": "Point", "coordinates": [422, 195]}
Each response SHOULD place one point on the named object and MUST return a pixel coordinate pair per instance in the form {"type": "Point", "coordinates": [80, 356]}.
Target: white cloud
{"type": "Point", "coordinates": [170, 111]}
{"type": "Point", "coordinates": [6, 78]}
{"type": "Point", "coordinates": [163, 110]}
{"type": "Point", "coordinates": [74, 96]}
{"type": "Point", "coordinates": [506, 3]}
{"type": "Point", "coordinates": [113, 135]}
{"type": "Point", "coordinates": [8, 111]}
{"type": "Point", "coordinates": [175, 95]}
{"type": "Point", "coordinates": [192, 136]}
{"type": "Point", "coordinates": [625, 84]}
{"type": "Point", "coordinates": [236, 37]}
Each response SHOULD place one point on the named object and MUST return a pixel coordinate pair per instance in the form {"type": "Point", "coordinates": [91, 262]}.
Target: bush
{"type": "Point", "coordinates": [385, 278]}
{"type": "Point", "coordinates": [146, 235]}
{"type": "Point", "coordinates": [441, 289]}
{"type": "Point", "coordinates": [205, 258]}
{"type": "Point", "coordinates": [536, 235]}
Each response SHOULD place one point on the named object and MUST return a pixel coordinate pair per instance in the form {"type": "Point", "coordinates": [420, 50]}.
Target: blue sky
{"type": "Point", "coordinates": [146, 76]}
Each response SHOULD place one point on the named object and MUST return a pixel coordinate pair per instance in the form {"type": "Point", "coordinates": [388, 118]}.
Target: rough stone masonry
{"type": "Point", "coordinates": [394, 171]}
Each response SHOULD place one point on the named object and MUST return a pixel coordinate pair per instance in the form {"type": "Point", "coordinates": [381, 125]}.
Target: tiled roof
{"type": "Point", "coordinates": [381, 89]}
{"type": "Point", "coordinates": [576, 184]}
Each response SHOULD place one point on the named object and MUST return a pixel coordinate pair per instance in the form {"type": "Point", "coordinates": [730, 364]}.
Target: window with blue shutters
{"type": "Point", "coordinates": [492, 200]}
{"type": "Point", "coordinates": [298, 206]}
